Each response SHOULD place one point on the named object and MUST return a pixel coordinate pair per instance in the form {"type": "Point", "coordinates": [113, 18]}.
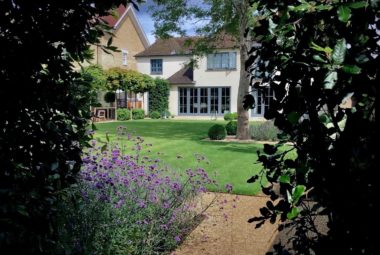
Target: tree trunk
{"type": "Point", "coordinates": [243, 116]}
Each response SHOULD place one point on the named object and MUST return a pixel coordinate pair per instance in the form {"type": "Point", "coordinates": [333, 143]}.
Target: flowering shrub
{"type": "Point", "coordinates": [130, 203]}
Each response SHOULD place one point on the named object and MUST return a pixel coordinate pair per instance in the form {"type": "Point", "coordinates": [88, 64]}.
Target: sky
{"type": "Point", "coordinates": [146, 21]}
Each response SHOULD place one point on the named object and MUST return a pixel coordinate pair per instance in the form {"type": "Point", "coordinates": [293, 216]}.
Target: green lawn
{"type": "Point", "coordinates": [232, 162]}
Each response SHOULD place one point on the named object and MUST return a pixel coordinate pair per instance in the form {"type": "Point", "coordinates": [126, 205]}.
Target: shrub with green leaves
{"type": "Point", "coordinates": [230, 116]}
{"type": "Point", "coordinates": [265, 131]}
{"type": "Point", "coordinates": [138, 114]}
{"type": "Point", "coordinates": [154, 115]}
{"type": "Point", "coordinates": [159, 96]}
{"type": "Point", "coordinates": [123, 114]}
{"type": "Point", "coordinates": [231, 127]}
{"type": "Point", "coordinates": [217, 132]}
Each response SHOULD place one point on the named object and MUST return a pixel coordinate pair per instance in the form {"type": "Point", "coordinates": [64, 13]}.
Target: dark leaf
{"type": "Point", "coordinates": [270, 149]}
{"type": "Point", "coordinates": [352, 69]}
{"type": "Point", "coordinates": [293, 117]}
{"type": "Point", "coordinates": [339, 52]}
{"type": "Point", "coordinates": [319, 59]}
{"type": "Point", "coordinates": [297, 193]}
{"type": "Point", "coordinates": [265, 212]}
{"type": "Point", "coordinates": [255, 219]}
{"type": "Point", "coordinates": [344, 13]}
{"type": "Point", "coordinates": [273, 218]}
{"type": "Point", "coordinates": [258, 225]}
{"type": "Point", "coordinates": [252, 179]}
{"type": "Point", "coordinates": [285, 178]}
{"type": "Point", "coordinates": [270, 205]}
{"type": "Point", "coordinates": [248, 102]}
{"type": "Point", "coordinates": [293, 213]}
{"type": "Point", "coordinates": [330, 80]}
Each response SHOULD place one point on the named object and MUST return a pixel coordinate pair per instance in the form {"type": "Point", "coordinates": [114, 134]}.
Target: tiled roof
{"type": "Point", "coordinates": [111, 19]}
{"type": "Point", "coordinates": [182, 46]}
{"type": "Point", "coordinates": [183, 76]}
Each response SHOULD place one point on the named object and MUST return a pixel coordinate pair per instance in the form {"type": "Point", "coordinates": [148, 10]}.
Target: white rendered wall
{"type": "Point", "coordinates": [170, 65]}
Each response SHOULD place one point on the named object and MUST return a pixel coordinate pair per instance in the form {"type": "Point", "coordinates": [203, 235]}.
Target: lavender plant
{"type": "Point", "coordinates": [130, 203]}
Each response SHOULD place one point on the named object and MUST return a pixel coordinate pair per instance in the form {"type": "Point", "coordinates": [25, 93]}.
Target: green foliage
{"type": "Point", "coordinates": [316, 56]}
{"type": "Point", "coordinates": [44, 113]}
{"type": "Point", "coordinates": [265, 131]}
{"type": "Point", "coordinates": [217, 132]}
{"type": "Point", "coordinates": [138, 114]}
{"type": "Point", "coordinates": [128, 80]}
{"type": "Point", "coordinates": [159, 97]}
{"type": "Point", "coordinates": [230, 116]}
{"type": "Point", "coordinates": [231, 127]}
{"type": "Point", "coordinates": [110, 97]}
{"type": "Point", "coordinates": [97, 78]}
{"type": "Point", "coordinates": [154, 115]}
{"type": "Point", "coordinates": [123, 114]}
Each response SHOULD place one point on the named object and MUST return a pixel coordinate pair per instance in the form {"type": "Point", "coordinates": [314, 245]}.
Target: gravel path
{"type": "Point", "coordinates": [217, 235]}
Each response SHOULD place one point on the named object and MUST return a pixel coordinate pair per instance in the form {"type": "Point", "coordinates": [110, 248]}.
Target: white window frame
{"type": "Point", "coordinates": [124, 57]}
{"type": "Point", "coordinates": [221, 61]}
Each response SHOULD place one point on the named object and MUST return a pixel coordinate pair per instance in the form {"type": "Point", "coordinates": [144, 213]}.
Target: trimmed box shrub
{"type": "Point", "coordinates": [123, 114]}
{"type": "Point", "coordinates": [217, 132]}
{"type": "Point", "coordinates": [155, 115]}
{"type": "Point", "coordinates": [231, 127]}
{"type": "Point", "coordinates": [265, 131]}
{"type": "Point", "coordinates": [230, 116]}
{"type": "Point", "coordinates": [138, 114]}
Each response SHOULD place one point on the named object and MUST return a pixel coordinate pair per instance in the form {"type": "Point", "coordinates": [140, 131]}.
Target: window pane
{"type": "Point", "coordinates": [225, 100]}
{"type": "Point", "coordinates": [232, 59]}
{"type": "Point", "coordinates": [193, 100]}
{"type": "Point", "coordinates": [210, 61]}
{"type": "Point", "coordinates": [214, 101]}
{"type": "Point", "coordinates": [217, 61]}
{"type": "Point", "coordinates": [182, 100]}
{"type": "Point", "coordinates": [225, 60]}
{"type": "Point", "coordinates": [203, 100]}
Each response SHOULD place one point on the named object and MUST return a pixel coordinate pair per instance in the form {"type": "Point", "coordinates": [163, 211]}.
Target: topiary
{"type": "Point", "coordinates": [123, 114]}
{"type": "Point", "coordinates": [230, 116]}
{"type": "Point", "coordinates": [231, 127]}
{"type": "Point", "coordinates": [109, 97]}
{"type": "Point", "coordinates": [138, 114]}
{"type": "Point", "coordinates": [217, 132]}
{"type": "Point", "coordinates": [155, 115]}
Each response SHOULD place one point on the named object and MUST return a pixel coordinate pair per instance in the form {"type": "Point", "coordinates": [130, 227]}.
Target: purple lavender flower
{"type": "Point", "coordinates": [177, 239]}
{"type": "Point", "coordinates": [141, 203]}
{"type": "Point", "coordinates": [228, 187]}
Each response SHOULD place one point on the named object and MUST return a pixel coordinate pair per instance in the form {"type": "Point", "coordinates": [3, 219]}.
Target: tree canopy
{"type": "Point", "coordinates": [322, 60]}
{"type": "Point", "coordinates": [128, 80]}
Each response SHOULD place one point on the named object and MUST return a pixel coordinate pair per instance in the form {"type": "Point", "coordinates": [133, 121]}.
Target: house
{"type": "Point", "coordinates": [207, 91]}
{"type": "Point", "coordinates": [130, 39]}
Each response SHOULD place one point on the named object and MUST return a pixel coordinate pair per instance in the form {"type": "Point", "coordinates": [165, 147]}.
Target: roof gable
{"type": "Point", "coordinates": [121, 13]}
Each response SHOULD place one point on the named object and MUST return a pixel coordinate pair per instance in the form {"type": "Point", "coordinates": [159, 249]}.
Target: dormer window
{"type": "Point", "coordinates": [221, 61]}
{"type": "Point", "coordinates": [156, 66]}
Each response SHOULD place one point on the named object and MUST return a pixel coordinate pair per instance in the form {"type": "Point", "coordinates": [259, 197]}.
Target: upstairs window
{"type": "Point", "coordinates": [221, 61]}
{"type": "Point", "coordinates": [124, 55]}
{"type": "Point", "coordinates": [156, 66]}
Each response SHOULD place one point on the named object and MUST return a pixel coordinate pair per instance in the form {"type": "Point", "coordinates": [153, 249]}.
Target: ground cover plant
{"type": "Point", "coordinates": [130, 203]}
{"type": "Point", "coordinates": [183, 139]}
